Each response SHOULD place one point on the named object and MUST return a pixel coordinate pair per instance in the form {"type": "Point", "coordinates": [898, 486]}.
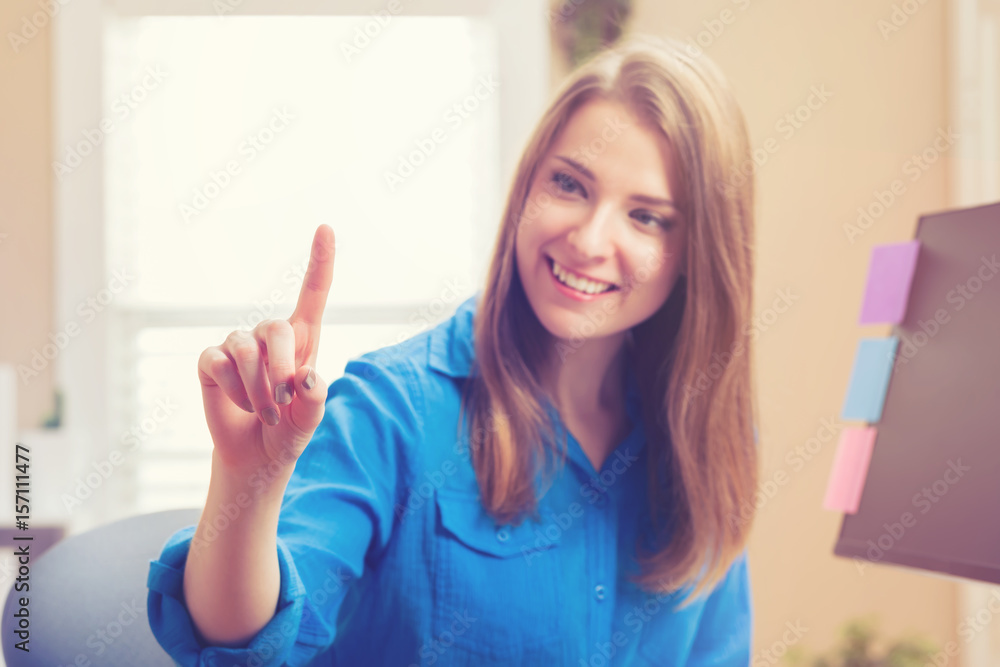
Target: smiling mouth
{"type": "Point", "coordinates": [581, 285]}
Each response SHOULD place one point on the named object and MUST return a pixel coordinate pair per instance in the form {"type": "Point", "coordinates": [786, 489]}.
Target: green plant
{"type": "Point", "coordinates": [858, 649]}
{"type": "Point", "coordinates": [583, 27]}
{"type": "Point", "coordinates": [54, 418]}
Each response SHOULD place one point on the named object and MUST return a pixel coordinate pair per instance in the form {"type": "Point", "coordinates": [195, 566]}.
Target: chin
{"type": "Point", "coordinates": [576, 327]}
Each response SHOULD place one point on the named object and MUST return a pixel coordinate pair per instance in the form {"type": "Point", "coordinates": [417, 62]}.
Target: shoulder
{"type": "Point", "coordinates": [415, 367]}
{"type": "Point", "coordinates": [441, 349]}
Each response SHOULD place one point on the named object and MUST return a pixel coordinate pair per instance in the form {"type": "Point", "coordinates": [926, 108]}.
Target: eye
{"type": "Point", "coordinates": [647, 216]}
{"type": "Point", "coordinates": [565, 183]}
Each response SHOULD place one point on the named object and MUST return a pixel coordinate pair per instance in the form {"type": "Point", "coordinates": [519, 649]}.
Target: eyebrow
{"type": "Point", "coordinates": [645, 199]}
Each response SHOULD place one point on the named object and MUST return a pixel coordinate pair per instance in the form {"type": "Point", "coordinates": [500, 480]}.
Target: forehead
{"type": "Point", "coordinates": [610, 141]}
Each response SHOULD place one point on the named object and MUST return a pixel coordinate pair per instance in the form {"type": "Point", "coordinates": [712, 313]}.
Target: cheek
{"type": "Point", "coordinates": [549, 212]}
{"type": "Point", "coordinates": [535, 206]}
{"type": "Point", "coordinates": [655, 271]}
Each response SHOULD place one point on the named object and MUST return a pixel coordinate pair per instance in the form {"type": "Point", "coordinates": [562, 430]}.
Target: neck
{"type": "Point", "coordinates": [589, 377]}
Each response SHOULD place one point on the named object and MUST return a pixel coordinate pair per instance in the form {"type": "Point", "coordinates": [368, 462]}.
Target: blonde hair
{"type": "Point", "coordinates": [700, 434]}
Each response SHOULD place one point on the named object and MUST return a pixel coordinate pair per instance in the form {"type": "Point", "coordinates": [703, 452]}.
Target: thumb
{"type": "Point", "coordinates": [306, 409]}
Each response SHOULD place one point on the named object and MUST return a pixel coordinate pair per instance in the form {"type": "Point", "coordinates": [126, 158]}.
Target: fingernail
{"type": "Point", "coordinates": [270, 416]}
{"type": "Point", "coordinates": [310, 379]}
{"type": "Point", "coordinates": [282, 394]}
{"type": "Point", "coordinates": [247, 405]}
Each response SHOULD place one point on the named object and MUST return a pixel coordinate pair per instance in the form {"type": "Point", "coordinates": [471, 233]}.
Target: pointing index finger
{"type": "Point", "coordinates": [316, 283]}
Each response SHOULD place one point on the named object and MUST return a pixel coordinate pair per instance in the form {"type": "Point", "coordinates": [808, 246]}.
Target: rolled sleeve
{"type": "Point", "coordinates": [724, 632]}
{"type": "Point", "coordinates": [337, 515]}
{"type": "Point", "coordinates": [285, 640]}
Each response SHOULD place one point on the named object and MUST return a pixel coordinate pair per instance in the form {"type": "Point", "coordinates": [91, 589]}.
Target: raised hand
{"type": "Point", "coordinates": [263, 398]}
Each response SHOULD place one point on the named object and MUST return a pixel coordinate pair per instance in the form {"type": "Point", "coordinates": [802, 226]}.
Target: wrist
{"type": "Point", "coordinates": [242, 505]}
{"type": "Point", "coordinates": [261, 481]}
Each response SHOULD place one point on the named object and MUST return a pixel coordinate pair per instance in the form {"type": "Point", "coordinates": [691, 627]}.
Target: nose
{"type": "Point", "coordinates": [592, 237]}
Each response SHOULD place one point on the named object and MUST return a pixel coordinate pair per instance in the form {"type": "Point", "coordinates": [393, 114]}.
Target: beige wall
{"type": "Point", "coordinates": [26, 253]}
{"type": "Point", "coordinates": [888, 101]}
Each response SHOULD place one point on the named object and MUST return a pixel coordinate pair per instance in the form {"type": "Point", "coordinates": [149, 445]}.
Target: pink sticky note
{"type": "Point", "coordinates": [890, 273]}
{"type": "Point", "coordinates": [850, 468]}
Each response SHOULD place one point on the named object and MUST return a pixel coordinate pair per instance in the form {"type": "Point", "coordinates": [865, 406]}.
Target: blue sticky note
{"type": "Point", "coordinates": [870, 379]}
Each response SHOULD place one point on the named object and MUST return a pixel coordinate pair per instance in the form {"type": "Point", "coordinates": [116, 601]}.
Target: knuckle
{"type": "Point", "coordinates": [218, 365]}
{"type": "Point", "coordinates": [276, 327]}
{"type": "Point", "coordinates": [235, 337]}
{"type": "Point", "coordinates": [314, 283]}
{"type": "Point", "coordinates": [245, 352]}
{"type": "Point", "coordinates": [207, 356]}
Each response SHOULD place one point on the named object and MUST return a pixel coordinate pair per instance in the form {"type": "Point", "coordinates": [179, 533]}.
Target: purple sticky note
{"type": "Point", "coordinates": [850, 468]}
{"type": "Point", "coordinates": [890, 274]}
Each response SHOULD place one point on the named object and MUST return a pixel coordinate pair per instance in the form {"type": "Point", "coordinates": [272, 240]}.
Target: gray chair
{"type": "Point", "coordinates": [88, 597]}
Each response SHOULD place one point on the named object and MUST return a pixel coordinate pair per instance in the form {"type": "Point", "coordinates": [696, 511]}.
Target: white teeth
{"type": "Point", "coordinates": [579, 284]}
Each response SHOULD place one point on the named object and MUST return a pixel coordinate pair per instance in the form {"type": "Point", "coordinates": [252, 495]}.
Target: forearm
{"type": "Point", "coordinates": [231, 578]}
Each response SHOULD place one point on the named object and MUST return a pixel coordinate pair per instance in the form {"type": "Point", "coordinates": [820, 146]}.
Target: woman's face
{"type": "Point", "coordinates": [599, 207]}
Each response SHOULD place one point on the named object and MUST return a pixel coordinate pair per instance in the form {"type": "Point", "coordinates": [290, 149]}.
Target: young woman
{"type": "Point", "coordinates": [557, 474]}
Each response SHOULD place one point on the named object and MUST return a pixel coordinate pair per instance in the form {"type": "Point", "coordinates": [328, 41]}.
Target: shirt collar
{"type": "Point", "coordinates": [452, 352]}
{"type": "Point", "coordinates": [451, 342]}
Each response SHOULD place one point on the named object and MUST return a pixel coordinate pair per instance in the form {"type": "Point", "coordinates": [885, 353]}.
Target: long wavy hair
{"type": "Point", "coordinates": [694, 369]}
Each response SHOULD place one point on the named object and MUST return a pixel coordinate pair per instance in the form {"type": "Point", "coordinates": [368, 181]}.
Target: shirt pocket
{"type": "Point", "coordinates": [497, 587]}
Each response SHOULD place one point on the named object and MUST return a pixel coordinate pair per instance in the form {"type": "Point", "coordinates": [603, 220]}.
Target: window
{"type": "Point", "coordinates": [223, 141]}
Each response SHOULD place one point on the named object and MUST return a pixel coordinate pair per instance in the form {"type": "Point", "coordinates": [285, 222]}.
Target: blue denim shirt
{"type": "Point", "coordinates": [387, 557]}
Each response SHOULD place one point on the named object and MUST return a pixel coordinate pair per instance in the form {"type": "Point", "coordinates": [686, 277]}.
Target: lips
{"type": "Point", "coordinates": [551, 262]}
{"type": "Point", "coordinates": [577, 290]}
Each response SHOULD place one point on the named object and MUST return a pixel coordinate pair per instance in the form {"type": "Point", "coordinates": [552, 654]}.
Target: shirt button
{"type": "Point", "coordinates": [502, 535]}
{"type": "Point", "coordinates": [599, 592]}
{"type": "Point", "coordinates": [601, 502]}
